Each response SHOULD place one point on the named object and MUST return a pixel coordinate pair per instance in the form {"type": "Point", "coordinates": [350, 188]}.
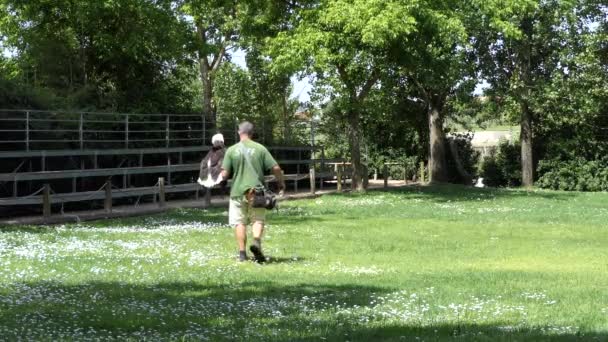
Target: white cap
{"type": "Point", "coordinates": [217, 139]}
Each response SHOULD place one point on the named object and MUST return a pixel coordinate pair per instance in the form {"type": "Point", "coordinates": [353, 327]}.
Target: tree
{"type": "Point", "coordinates": [216, 30]}
{"type": "Point", "coordinates": [519, 45]}
{"type": "Point", "coordinates": [109, 55]}
{"type": "Point", "coordinates": [343, 44]}
{"type": "Point", "coordinates": [436, 60]}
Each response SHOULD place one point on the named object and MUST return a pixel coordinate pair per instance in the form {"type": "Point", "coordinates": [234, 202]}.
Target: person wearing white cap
{"type": "Point", "coordinates": [211, 165]}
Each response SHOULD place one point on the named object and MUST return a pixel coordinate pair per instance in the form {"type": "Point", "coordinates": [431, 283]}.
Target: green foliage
{"type": "Point", "coordinates": [502, 167]}
{"type": "Point", "coordinates": [100, 55]}
{"type": "Point", "coordinates": [240, 96]}
{"type": "Point", "coordinates": [399, 165]}
{"type": "Point", "coordinates": [379, 68]}
{"type": "Point", "coordinates": [14, 95]}
{"type": "Point", "coordinates": [575, 174]}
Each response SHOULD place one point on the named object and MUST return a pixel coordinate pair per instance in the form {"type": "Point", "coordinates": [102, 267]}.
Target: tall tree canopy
{"type": "Point", "coordinates": [116, 55]}
{"type": "Point", "coordinates": [521, 52]}
{"type": "Point", "coordinates": [403, 70]}
{"type": "Point", "coordinates": [343, 43]}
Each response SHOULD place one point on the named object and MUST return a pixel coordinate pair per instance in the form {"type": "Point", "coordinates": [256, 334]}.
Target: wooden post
{"type": "Point", "coordinates": [344, 178]}
{"type": "Point", "coordinates": [385, 174]}
{"type": "Point", "coordinates": [46, 201]}
{"type": "Point", "coordinates": [298, 169]}
{"type": "Point", "coordinates": [313, 179]}
{"type": "Point", "coordinates": [322, 167]}
{"type": "Point", "coordinates": [168, 168]}
{"type": "Point", "coordinates": [339, 170]}
{"type": "Point", "coordinates": [161, 192]}
{"type": "Point", "coordinates": [107, 204]}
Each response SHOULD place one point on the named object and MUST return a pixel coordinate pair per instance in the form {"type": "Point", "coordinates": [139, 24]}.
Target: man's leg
{"type": "Point", "coordinates": [241, 239]}
{"type": "Point", "coordinates": [237, 218]}
{"type": "Point", "coordinates": [258, 231]}
{"type": "Point", "coordinates": [258, 216]}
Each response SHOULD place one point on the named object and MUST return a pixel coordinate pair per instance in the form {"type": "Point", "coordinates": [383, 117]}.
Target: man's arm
{"type": "Point", "coordinates": [278, 174]}
{"type": "Point", "coordinates": [226, 165]}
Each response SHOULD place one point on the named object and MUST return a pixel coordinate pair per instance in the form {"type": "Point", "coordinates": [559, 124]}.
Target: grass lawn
{"type": "Point", "coordinates": [431, 263]}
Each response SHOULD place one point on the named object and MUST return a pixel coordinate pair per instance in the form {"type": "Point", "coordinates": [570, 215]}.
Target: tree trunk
{"type": "Point", "coordinates": [286, 114]}
{"type": "Point", "coordinates": [206, 71]}
{"type": "Point", "coordinates": [527, 163]}
{"type": "Point", "coordinates": [207, 81]}
{"type": "Point", "coordinates": [354, 139]}
{"type": "Point", "coordinates": [466, 178]}
{"type": "Point", "coordinates": [437, 161]}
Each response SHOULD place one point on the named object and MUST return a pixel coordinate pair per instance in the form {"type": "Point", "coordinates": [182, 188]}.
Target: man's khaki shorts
{"type": "Point", "coordinates": [240, 212]}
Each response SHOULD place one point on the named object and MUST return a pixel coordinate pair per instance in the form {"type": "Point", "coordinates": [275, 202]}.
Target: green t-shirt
{"type": "Point", "coordinates": [243, 177]}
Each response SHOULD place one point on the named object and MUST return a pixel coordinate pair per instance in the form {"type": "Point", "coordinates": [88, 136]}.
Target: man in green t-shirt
{"type": "Point", "coordinates": [246, 175]}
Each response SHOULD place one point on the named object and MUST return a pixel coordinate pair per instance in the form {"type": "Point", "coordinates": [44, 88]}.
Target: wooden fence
{"type": "Point", "coordinates": [49, 149]}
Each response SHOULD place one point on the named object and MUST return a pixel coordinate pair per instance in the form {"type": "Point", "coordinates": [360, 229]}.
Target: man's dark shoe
{"type": "Point", "coordinates": [242, 256]}
{"type": "Point", "coordinates": [258, 256]}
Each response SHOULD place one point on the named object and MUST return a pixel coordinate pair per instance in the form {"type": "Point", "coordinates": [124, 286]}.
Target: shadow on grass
{"type": "Point", "coordinates": [456, 193]}
{"type": "Point", "coordinates": [246, 311]}
{"type": "Point", "coordinates": [283, 260]}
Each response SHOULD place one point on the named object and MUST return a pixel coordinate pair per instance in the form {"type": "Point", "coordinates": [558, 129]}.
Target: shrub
{"type": "Point", "coordinates": [395, 171]}
{"type": "Point", "coordinates": [469, 158]}
{"type": "Point", "coordinates": [503, 167]}
{"type": "Point", "coordinates": [574, 175]}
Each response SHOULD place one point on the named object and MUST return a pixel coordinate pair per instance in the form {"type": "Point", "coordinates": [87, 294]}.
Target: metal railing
{"type": "Point", "coordinates": [43, 130]}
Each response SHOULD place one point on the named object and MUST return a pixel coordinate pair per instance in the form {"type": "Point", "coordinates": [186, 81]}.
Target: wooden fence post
{"type": "Point", "coordinates": [107, 204]}
{"type": "Point", "coordinates": [161, 192]}
{"type": "Point", "coordinates": [385, 175]}
{"type": "Point", "coordinates": [46, 201]}
{"type": "Point", "coordinates": [313, 179]}
{"type": "Point", "coordinates": [339, 170]}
